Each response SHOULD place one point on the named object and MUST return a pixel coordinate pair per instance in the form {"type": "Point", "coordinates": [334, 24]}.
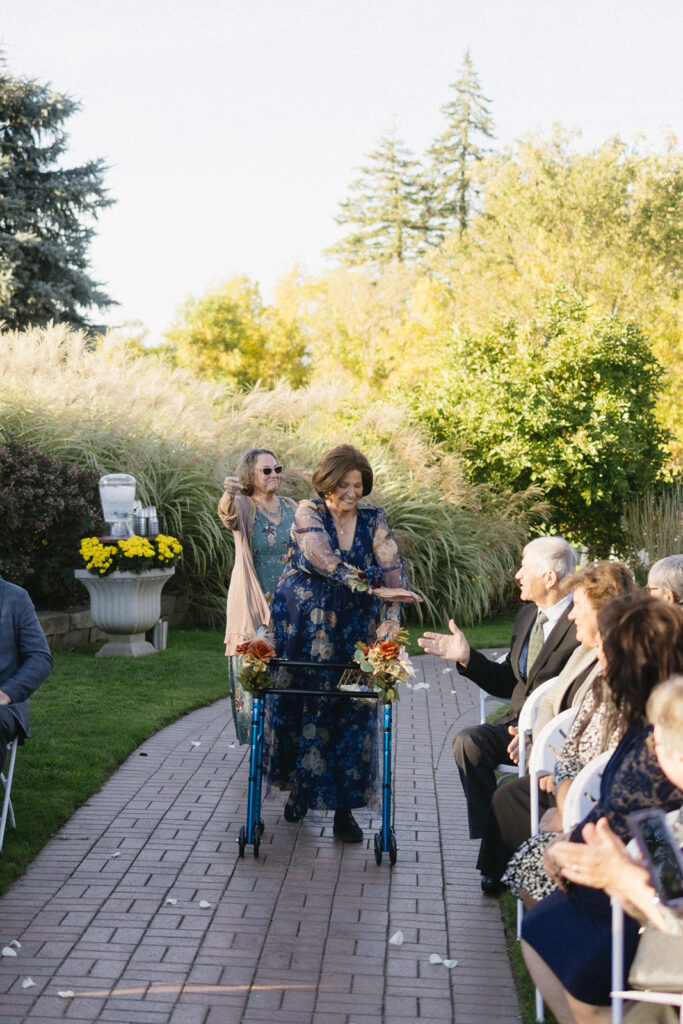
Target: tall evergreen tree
{"type": "Point", "coordinates": [453, 155]}
{"type": "Point", "coordinates": [46, 211]}
{"type": "Point", "coordinates": [387, 209]}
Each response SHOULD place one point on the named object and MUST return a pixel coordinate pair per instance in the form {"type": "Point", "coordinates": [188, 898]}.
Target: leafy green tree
{"type": "Point", "coordinates": [230, 334]}
{"type": "Point", "coordinates": [608, 223]}
{"type": "Point", "coordinates": [359, 323]}
{"type": "Point", "coordinates": [387, 209]}
{"type": "Point", "coordinates": [566, 404]}
{"type": "Point", "coordinates": [457, 150]}
{"type": "Point", "coordinates": [46, 211]}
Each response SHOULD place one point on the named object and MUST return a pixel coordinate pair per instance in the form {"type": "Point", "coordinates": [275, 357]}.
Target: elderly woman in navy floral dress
{"type": "Point", "coordinates": [324, 750]}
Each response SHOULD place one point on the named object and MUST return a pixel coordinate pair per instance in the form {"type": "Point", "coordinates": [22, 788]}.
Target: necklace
{"type": "Point", "coordinates": [341, 530]}
{"type": "Point", "coordinates": [274, 514]}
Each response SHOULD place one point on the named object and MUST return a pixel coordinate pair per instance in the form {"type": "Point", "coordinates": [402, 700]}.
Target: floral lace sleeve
{"type": "Point", "coordinates": [390, 562]}
{"type": "Point", "coordinates": [322, 558]}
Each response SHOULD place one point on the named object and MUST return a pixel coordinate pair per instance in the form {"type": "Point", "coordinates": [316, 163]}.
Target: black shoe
{"type": "Point", "coordinates": [492, 886]}
{"type": "Point", "coordinates": [292, 812]}
{"type": "Point", "coordinates": [347, 828]}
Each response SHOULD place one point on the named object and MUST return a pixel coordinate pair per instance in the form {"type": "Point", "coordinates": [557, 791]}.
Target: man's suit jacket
{"type": "Point", "coordinates": [25, 658]}
{"type": "Point", "coordinates": [504, 679]}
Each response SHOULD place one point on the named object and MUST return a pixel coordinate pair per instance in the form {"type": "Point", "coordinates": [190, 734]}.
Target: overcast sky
{"type": "Point", "coordinates": [232, 128]}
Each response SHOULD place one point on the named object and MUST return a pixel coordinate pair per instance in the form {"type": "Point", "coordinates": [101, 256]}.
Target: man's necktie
{"type": "Point", "coordinates": [535, 641]}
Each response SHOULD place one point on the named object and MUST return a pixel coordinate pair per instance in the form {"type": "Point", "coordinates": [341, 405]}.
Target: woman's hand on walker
{"type": "Point", "coordinates": [387, 629]}
{"type": "Point", "coordinates": [396, 594]}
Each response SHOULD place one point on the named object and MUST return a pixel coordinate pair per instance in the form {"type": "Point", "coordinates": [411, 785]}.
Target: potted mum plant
{"type": "Point", "coordinates": [125, 579]}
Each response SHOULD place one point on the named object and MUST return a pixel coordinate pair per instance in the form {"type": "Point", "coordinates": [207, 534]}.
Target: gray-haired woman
{"type": "Point", "coordinates": [261, 521]}
{"type": "Point", "coordinates": [665, 579]}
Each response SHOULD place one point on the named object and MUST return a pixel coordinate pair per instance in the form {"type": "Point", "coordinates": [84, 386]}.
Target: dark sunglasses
{"type": "Point", "coordinates": [267, 470]}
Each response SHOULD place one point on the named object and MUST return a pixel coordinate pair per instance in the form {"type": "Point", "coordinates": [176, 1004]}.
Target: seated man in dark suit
{"type": "Point", "coordinates": [542, 640]}
{"type": "Point", "coordinates": [25, 662]}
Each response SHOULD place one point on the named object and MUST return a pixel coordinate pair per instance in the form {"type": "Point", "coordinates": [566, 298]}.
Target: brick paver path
{"type": "Point", "coordinates": [143, 910]}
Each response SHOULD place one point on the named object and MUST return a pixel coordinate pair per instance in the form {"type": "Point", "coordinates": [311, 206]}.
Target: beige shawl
{"type": "Point", "coordinates": [247, 608]}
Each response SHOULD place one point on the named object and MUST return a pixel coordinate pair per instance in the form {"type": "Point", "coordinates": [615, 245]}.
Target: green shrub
{"type": "Point", "coordinates": [46, 506]}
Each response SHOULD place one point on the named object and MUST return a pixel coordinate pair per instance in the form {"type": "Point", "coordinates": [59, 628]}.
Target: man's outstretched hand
{"type": "Point", "coordinates": [453, 646]}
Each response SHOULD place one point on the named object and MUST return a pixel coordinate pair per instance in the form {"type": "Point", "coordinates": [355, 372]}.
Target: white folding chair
{"type": "Point", "coordinates": [543, 755]}
{"type": "Point", "coordinates": [7, 809]}
{"type": "Point", "coordinates": [527, 718]}
{"type": "Point", "coordinates": [618, 993]}
{"type": "Point", "coordinates": [542, 759]}
{"type": "Point", "coordinates": [502, 769]}
{"type": "Point", "coordinates": [484, 696]}
{"type": "Point", "coordinates": [582, 796]}
{"type": "Point", "coordinates": [584, 791]}
{"type": "Point", "coordinates": [661, 998]}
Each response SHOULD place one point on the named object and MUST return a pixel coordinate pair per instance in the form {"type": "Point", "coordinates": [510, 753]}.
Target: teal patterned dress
{"type": "Point", "coordinates": [270, 547]}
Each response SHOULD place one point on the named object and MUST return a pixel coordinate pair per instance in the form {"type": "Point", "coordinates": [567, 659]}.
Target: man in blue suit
{"type": "Point", "coordinates": [25, 662]}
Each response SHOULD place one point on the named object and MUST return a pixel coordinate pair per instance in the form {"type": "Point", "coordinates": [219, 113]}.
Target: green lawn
{"type": "Point", "coordinates": [91, 713]}
{"type": "Point", "coordinates": [87, 718]}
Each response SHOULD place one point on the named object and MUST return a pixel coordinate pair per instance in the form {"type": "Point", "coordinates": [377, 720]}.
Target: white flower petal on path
{"type": "Point", "coordinates": [15, 943]}
{"type": "Point", "coordinates": [116, 853]}
{"type": "Point", "coordinates": [172, 900]}
{"type": "Point", "coordinates": [8, 951]}
{"type": "Point", "coordinates": [196, 743]}
{"type": "Point", "coordinates": [435, 959]}
{"type": "Point", "coordinates": [454, 691]}
{"type": "Point", "coordinates": [445, 671]}
{"type": "Point", "coordinates": [450, 963]}
{"type": "Point", "coordinates": [396, 939]}
{"type": "Point", "coordinates": [66, 993]}
{"type": "Point", "coordinates": [28, 983]}
{"type": "Point", "coordinates": [204, 904]}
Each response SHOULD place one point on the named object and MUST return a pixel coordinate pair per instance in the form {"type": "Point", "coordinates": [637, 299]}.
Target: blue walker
{"type": "Point", "coordinates": [250, 834]}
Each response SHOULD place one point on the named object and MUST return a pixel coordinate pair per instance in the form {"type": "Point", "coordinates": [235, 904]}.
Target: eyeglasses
{"type": "Point", "coordinates": [267, 470]}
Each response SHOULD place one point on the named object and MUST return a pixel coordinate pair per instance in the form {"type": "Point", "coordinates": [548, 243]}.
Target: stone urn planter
{"type": "Point", "coordinates": [124, 605]}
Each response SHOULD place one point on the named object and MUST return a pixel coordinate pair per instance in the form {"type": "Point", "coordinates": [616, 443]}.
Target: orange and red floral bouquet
{"type": "Point", "coordinates": [385, 663]}
{"type": "Point", "coordinates": [254, 674]}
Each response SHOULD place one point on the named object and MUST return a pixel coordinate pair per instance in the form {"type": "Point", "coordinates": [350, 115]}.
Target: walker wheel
{"type": "Point", "coordinates": [378, 848]}
{"type": "Point", "coordinates": [261, 826]}
{"type": "Point", "coordinates": [242, 840]}
{"type": "Point", "coordinates": [392, 848]}
{"type": "Point", "coordinates": [257, 841]}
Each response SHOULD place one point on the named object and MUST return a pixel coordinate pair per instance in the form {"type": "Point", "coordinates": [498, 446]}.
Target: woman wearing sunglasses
{"type": "Point", "coordinates": [261, 522]}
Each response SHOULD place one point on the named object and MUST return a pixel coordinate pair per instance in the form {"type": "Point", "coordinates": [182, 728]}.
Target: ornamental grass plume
{"type": "Point", "coordinates": [104, 404]}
